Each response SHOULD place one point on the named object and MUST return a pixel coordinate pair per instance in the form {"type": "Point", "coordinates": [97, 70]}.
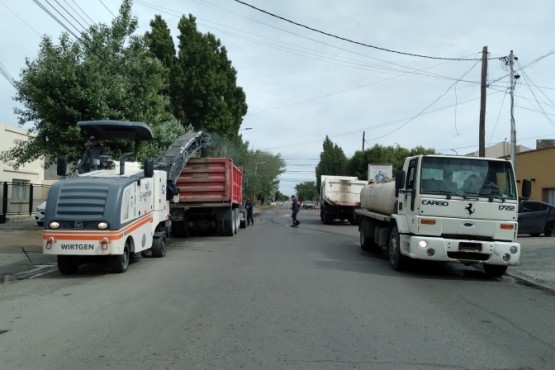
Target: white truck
{"type": "Point", "coordinates": [339, 197]}
{"type": "Point", "coordinates": [445, 208]}
{"type": "Point", "coordinates": [119, 209]}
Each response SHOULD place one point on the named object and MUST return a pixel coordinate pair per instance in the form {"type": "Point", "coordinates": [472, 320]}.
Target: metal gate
{"type": "Point", "coordinates": [20, 199]}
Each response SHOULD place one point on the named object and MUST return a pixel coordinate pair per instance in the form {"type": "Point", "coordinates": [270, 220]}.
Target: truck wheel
{"type": "Point", "coordinates": [495, 270]}
{"type": "Point", "coordinates": [120, 263]}
{"type": "Point", "coordinates": [159, 246]}
{"type": "Point", "coordinates": [365, 240]}
{"type": "Point", "coordinates": [236, 220]}
{"type": "Point", "coordinates": [228, 227]}
{"type": "Point", "coordinates": [67, 265]}
{"type": "Point", "coordinates": [396, 259]}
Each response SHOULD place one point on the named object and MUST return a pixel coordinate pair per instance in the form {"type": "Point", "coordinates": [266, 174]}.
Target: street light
{"type": "Point", "coordinates": [256, 166]}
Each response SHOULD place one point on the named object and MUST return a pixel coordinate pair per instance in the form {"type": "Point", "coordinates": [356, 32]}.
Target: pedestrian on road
{"type": "Point", "coordinates": [249, 207]}
{"type": "Point", "coordinates": [294, 211]}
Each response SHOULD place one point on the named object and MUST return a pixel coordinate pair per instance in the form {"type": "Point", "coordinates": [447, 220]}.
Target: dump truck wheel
{"type": "Point", "coordinates": [365, 240]}
{"type": "Point", "coordinates": [67, 265]}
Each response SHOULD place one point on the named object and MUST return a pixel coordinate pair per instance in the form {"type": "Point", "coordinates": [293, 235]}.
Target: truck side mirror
{"type": "Point", "coordinates": [399, 181]}
{"type": "Point", "coordinates": [526, 188]}
{"type": "Point", "coordinates": [149, 167]}
{"type": "Point", "coordinates": [61, 165]}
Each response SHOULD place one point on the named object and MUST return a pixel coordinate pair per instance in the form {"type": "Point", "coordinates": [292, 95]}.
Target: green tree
{"type": "Point", "coordinates": [160, 42]}
{"type": "Point", "coordinates": [358, 164]}
{"type": "Point", "coordinates": [203, 84]}
{"type": "Point", "coordinates": [107, 73]}
{"type": "Point", "coordinates": [307, 191]}
{"type": "Point", "coordinates": [280, 197]}
{"type": "Point", "coordinates": [333, 161]}
{"type": "Point", "coordinates": [261, 171]}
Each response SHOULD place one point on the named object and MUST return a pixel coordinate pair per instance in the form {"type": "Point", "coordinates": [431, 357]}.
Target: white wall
{"type": "Point", "coordinates": [33, 172]}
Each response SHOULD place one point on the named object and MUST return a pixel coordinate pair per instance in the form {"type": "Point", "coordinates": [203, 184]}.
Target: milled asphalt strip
{"type": "Point", "coordinates": [35, 271]}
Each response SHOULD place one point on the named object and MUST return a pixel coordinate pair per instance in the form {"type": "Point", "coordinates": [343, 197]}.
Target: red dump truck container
{"type": "Point", "coordinates": [210, 198]}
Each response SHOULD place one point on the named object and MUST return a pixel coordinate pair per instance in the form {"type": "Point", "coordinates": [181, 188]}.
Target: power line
{"type": "Point", "coordinates": [4, 72]}
{"type": "Point", "coordinates": [64, 17]}
{"type": "Point", "coordinates": [82, 11]}
{"type": "Point", "coordinates": [71, 15]}
{"type": "Point", "coordinates": [108, 9]}
{"type": "Point", "coordinates": [528, 82]}
{"type": "Point", "coordinates": [352, 41]}
{"type": "Point", "coordinates": [56, 19]}
{"type": "Point", "coordinates": [21, 19]}
{"type": "Point", "coordinates": [301, 50]}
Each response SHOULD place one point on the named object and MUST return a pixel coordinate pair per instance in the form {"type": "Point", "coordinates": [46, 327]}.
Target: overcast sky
{"type": "Point", "coordinates": [302, 85]}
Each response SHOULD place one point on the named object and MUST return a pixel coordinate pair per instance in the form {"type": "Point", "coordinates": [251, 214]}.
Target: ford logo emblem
{"type": "Point", "coordinates": [468, 224]}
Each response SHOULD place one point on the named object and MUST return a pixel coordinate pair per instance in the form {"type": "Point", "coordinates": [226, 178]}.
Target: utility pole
{"type": "Point", "coordinates": [513, 128]}
{"type": "Point", "coordinates": [363, 133]}
{"type": "Point", "coordinates": [483, 93]}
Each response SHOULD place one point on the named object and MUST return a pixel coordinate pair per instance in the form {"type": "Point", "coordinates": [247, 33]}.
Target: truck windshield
{"type": "Point", "coordinates": [467, 176]}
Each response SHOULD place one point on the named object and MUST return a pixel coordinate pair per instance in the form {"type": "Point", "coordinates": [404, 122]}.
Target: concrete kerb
{"type": "Point", "coordinates": [530, 281]}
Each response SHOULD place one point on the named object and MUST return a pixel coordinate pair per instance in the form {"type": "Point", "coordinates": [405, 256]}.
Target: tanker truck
{"type": "Point", "coordinates": [445, 208]}
{"type": "Point", "coordinates": [339, 196]}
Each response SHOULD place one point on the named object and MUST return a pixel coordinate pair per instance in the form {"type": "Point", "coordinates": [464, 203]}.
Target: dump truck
{"type": "Point", "coordinates": [115, 211]}
{"type": "Point", "coordinates": [339, 197]}
{"type": "Point", "coordinates": [445, 208]}
{"type": "Point", "coordinates": [210, 198]}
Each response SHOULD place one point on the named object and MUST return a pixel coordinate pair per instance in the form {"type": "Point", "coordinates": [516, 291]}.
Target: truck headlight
{"type": "Point", "coordinates": [423, 244]}
{"type": "Point", "coordinates": [54, 225]}
{"type": "Point", "coordinates": [102, 225]}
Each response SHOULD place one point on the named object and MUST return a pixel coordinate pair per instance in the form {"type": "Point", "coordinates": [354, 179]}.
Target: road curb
{"type": "Point", "coordinates": [527, 280]}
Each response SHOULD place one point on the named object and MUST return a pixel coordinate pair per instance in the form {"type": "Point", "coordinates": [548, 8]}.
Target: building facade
{"type": "Point", "coordinates": [24, 188]}
{"type": "Point", "coordinates": [537, 165]}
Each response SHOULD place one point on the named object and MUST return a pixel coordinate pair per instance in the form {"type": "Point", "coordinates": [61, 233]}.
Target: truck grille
{"type": "Point", "coordinates": [82, 200]}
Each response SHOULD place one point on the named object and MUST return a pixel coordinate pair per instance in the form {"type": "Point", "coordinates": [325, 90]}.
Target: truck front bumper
{"type": "Point", "coordinates": [461, 250]}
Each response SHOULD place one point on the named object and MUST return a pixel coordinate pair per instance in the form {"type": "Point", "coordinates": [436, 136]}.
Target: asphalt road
{"type": "Point", "coordinates": [275, 297]}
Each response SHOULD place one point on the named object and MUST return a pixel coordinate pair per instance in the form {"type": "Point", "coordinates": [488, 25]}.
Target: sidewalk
{"type": "Point", "coordinates": [21, 256]}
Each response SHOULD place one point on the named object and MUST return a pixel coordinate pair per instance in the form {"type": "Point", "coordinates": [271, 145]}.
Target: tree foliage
{"type": "Point", "coordinates": [358, 164]}
{"type": "Point", "coordinates": [307, 191]}
{"type": "Point", "coordinates": [108, 73]}
{"type": "Point", "coordinates": [203, 84]}
{"type": "Point", "coordinates": [260, 174]}
{"type": "Point", "coordinates": [333, 161]}
{"type": "Point", "coordinates": [160, 42]}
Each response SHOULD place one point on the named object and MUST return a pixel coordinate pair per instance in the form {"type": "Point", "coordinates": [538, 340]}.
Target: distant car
{"type": "Point", "coordinates": [308, 205]}
{"type": "Point", "coordinates": [535, 218]}
{"type": "Point", "coordinates": [39, 213]}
